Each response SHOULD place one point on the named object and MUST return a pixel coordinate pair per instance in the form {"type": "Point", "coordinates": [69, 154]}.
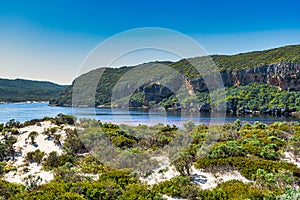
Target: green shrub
{"type": "Point", "coordinates": [32, 181]}
{"type": "Point", "coordinates": [8, 190]}
{"type": "Point", "coordinates": [52, 160]}
{"type": "Point", "coordinates": [178, 186]}
{"type": "Point", "coordinates": [248, 166]}
{"type": "Point", "coordinates": [32, 135]}
{"type": "Point", "coordinates": [119, 177]}
{"type": "Point", "coordinates": [139, 191]}
{"type": "Point", "coordinates": [281, 180]}
{"type": "Point", "coordinates": [182, 162]}
{"type": "Point", "coordinates": [236, 190]}
{"type": "Point", "coordinates": [229, 149]}
{"type": "Point", "coordinates": [35, 156]}
{"type": "Point", "coordinates": [290, 195]}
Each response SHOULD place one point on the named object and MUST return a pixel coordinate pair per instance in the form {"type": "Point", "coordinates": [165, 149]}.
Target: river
{"type": "Point", "coordinates": [37, 110]}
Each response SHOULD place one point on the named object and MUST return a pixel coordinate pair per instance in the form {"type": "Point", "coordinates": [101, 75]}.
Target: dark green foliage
{"type": "Point", "coordinates": [179, 186]}
{"type": "Point", "coordinates": [2, 167]}
{"type": "Point", "coordinates": [236, 190]}
{"type": "Point", "coordinates": [32, 181]}
{"type": "Point", "coordinates": [183, 163]}
{"type": "Point", "coordinates": [83, 84]}
{"type": "Point", "coordinates": [119, 177]}
{"type": "Point", "coordinates": [258, 58]}
{"type": "Point", "coordinates": [73, 145]}
{"type": "Point", "coordinates": [26, 90]}
{"type": "Point", "coordinates": [35, 156]}
{"type": "Point", "coordinates": [12, 124]}
{"type": "Point", "coordinates": [64, 119]}
{"type": "Point", "coordinates": [54, 160]}
{"type": "Point", "coordinates": [247, 166]}
{"type": "Point", "coordinates": [253, 150]}
{"type": "Point", "coordinates": [6, 147]}
{"type": "Point", "coordinates": [32, 135]}
{"type": "Point", "coordinates": [257, 96]}
{"type": "Point", "coordinates": [254, 96]}
{"type": "Point", "coordinates": [32, 122]}
{"type": "Point", "coordinates": [90, 164]}
{"type": "Point", "coordinates": [229, 149]}
{"type": "Point", "coordinates": [8, 190]}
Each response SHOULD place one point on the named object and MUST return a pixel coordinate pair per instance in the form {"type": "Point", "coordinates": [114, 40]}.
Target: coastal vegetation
{"type": "Point", "coordinates": [262, 98]}
{"type": "Point", "coordinates": [258, 152]}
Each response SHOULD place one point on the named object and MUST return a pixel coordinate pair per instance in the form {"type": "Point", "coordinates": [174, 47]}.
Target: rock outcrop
{"type": "Point", "coordinates": [153, 92]}
{"type": "Point", "coordinates": [284, 75]}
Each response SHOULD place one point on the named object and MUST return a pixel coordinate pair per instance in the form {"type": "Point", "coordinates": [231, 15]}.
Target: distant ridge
{"type": "Point", "coordinates": [18, 90]}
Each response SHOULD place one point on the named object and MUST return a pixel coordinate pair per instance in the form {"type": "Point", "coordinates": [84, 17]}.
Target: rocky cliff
{"type": "Point", "coordinates": [277, 70]}
{"type": "Point", "coordinates": [285, 75]}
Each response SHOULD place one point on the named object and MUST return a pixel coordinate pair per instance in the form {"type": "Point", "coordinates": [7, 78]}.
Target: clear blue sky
{"type": "Point", "coordinates": [48, 40]}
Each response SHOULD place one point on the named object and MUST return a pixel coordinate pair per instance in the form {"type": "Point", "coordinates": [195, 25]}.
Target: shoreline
{"type": "Point", "coordinates": [22, 102]}
{"type": "Point", "coordinates": [272, 112]}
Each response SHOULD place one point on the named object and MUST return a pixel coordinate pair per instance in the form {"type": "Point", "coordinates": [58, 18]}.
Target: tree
{"type": "Point", "coordinates": [32, 182]}
{"type": "Point", "coordinates": [32, 135]}
{"type": "Point", "coordinates": [10, 141]}
{"type": "Point", "coordinates": [57, 139]}
{"type": "Point", "coordinates": [52, 160]}
{"type": "Point", "coordinates": [182, 162]}
{"type": "Point", "coordinates": [73, 144]}
{"type": "Point", "coordinates": [35, 156]}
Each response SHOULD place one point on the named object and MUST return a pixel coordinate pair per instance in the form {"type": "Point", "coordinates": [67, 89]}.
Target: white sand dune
{"type": "Point", "coordinates": [205, 180]}
{"type": "Point", "coordinates": [23, 146]}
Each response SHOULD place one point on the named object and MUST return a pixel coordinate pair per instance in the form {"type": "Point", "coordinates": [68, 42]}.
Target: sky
{"type": "Point", "coordinates": [49, 40]}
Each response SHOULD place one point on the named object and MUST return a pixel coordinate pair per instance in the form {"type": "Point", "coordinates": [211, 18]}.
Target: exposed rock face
{"type": "Point", "coordinates": [284, 75]}
{"type": "Point", "coordinates": [156, 93]}
{"type": "Point", "coordinates": [152, 93]}
{"type": "Point", "coordinates": [205, 107]}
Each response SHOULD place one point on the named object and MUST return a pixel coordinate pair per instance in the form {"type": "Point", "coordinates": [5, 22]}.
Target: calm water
{"type": "Point", "coordinates": [27, 111]}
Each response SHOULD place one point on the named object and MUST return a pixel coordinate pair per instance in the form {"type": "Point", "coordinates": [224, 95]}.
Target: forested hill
{"type": "Point", "coordinates": [276, 70]}
{"type": "Point", "coordinates": [27, 90]}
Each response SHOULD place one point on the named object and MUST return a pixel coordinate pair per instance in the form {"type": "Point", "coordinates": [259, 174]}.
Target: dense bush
{"type": "Point", "coordinates": [274, 181]}
{"type": "Point", "coordinates": [290, 195]}
{"type": "Point", "coordinates": [247, 166]}
{"type": "Point", "coordinates": [32, 135]}
{"type": "Point", "coordinates": [253, 150]}
{"type": "Point", "coordinates": [182, 162]}
{"type": "Point", "coordinates": [90, 164]}
{"type": "Point", "coordinates": [54, 160]}
{"type": "Point", "coordinates": [179, 186]}
{"type": "Point", "coordinates": [65, 119]}
{"type": "Point", "coordinates": [230, 148]}
{"type": "Point", "coordinates": [73, 144]}
{"type": "Point", "coordinates": [35, 156]}
{"type": "Point", "coordinates": [236, 190]}
{"type": "Point", "coordinates": [8, 189]}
